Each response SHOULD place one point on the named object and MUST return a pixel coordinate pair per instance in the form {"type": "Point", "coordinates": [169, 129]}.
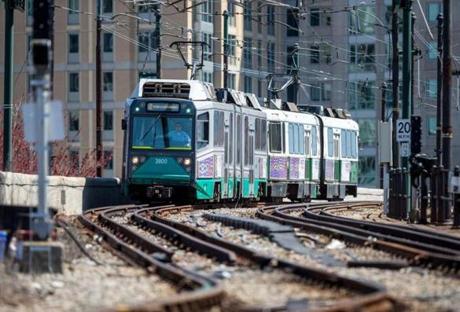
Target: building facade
{"type": "Point", "coordinates": [343, 60]}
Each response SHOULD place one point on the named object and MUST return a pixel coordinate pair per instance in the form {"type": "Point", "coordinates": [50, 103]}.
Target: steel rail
{"type": "Point", "coordinates": [371, 295]}
{"type": "Point", "coordinates": [418, 252]}
{"type": "Point", "coordinates": [201, 292]}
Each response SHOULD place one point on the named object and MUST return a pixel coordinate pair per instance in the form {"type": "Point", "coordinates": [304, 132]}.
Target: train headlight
{"type": "Point", "coordinates": [187, 161]}
{"type": "Point", "coordinates": [135, 160]}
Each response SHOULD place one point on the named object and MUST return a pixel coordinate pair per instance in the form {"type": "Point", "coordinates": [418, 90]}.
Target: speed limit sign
{"type": "Point", "coordinates": [403, 129]}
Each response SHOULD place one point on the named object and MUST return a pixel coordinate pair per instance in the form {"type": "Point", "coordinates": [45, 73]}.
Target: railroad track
{"type": "Point", "coordinates": [421, 247]}
{"type": "Point", "coordinates": [199, 293]}
{"type": "Point", "coordinates": [203, 291]}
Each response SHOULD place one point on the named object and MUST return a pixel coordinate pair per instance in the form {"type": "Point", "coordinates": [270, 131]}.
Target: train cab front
{"type": "Point", "coordinates": [161, 149]}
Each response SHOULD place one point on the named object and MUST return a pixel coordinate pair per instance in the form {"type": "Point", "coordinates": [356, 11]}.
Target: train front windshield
{"type": "Point", "coordinates": [157, 132]}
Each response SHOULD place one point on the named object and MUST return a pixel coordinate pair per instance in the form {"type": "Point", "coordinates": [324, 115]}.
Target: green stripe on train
{"type": "Point", "coordinates": [205, 188]}
{"type": "Point", "coordinates": [337, 170]}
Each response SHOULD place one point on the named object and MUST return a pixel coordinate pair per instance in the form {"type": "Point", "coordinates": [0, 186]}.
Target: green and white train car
{"type": "Point", "coordinates": [339, 167]}
{"type": "Point", "coordinates": [184, 140]}
{"type": "Point", "coordinates": [293, 155]}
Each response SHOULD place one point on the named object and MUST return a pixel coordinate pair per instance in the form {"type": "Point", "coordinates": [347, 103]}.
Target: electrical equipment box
{"type": "Point", "coordinates": [384, 143]}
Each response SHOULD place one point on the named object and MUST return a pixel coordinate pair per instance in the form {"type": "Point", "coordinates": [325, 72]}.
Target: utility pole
{"type": "Point", "coordinates": [99, 152]}
{"type": "Point", "coordinates": [41, 83]}
{"type": "Point", "coordinates": [382, 118]}
{"type": "Point", "coordinates": [407, 87]}
{"type": "Point", "coordinates": [295, 72]}
{"type": "Point", "coordinates": [439, 94]}
{"type": "Point", "coordinates": [225, 49]}
{"type": "Point", "coordinates": [447, 132]}
{"type": "Point", "coordinates": [158, 40]}
{"type": "Point", "coordinates": [395, 78]}
{"type": "Point", "coordinates": [8, 86]}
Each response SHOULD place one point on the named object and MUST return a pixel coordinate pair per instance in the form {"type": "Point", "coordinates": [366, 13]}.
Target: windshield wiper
{"type": "Point", "coordinates": [151, 127]}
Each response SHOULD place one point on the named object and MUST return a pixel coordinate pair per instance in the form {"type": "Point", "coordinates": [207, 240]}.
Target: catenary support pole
{"type": "Point", "coordinates": [226, 49]}
{"type": "Point", "coordinates": [447, 132]}
{"type": "Point", "coordinates": [99, 148]}
{"type": "Point", "coordinates": [439, 94]}
{"type": "Point", "coordinates": [407, 82]}
{"type": "Point", "coordinates": [158, 40]}
{"type": "Point", "coordinates": [382, 118]}
{"type": "Point", "coordinates": [395, 78]}
{"type": "Point", "coordinates": [8, 87]}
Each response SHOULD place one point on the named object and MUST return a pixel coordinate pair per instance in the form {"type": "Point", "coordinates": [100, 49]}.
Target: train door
{"type": "Point", "coordinates": [251, 162]}
{"type": "Point", "coordinates": [227, 186]}
{"type": "Point", "coordinates": [239, 154]}
{"type": "Point", "coordinates": [229, 163]}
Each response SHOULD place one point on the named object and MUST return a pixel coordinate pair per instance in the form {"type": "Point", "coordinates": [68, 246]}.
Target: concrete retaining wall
{"type": "Point", "coordinates": [370, 191]}
{"type": "Point", "coordinates": [67, 195]}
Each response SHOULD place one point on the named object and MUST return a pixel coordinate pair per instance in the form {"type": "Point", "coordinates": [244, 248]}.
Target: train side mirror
{"type": "Point", "coordinates": [123, 124]}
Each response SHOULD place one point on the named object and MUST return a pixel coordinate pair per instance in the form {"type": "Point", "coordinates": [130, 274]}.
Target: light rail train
{"type": "Point", "coordinates": [185, 140]}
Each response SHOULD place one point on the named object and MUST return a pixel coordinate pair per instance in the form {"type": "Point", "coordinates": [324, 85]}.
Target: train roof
{"type": "Point", "coordinates": [339, 123]}
{"type": "Point", "coordinates": [284, 115]}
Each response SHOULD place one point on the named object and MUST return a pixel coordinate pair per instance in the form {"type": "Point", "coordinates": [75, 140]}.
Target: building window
{"type": "Point", "coordinates": [247, 16]}
{"type": "Point", "coordinates": [231, 81]}
{"type": "Point", "coordinates": [314, 56]}
{"type": "Point", "coordinates": [231, 13]}
{"type": "Point", "coordinates": [74, 121]}
{"type": "Point", "coordinates": [431, 126]}
{"type": "Point", "coordinates": [231, 45]}
{"type": "Point", "coordinates": [73, 12]}
{"type": "Point", "coordinates": [108, 120]}
{"type": "Point", "coordinates": [247, 84]}
{"type": "Point", "coordinates": [259, 88]}
{"type": "Point", "coordinates": [247, 53]}
{"type": "Point", "coordinates": [208, 77]}
{"type": "Point", "coordinates": [434, 9]}
{"type": "Point", "coordinates": [367, 173]}
{"type": "Point", "coordinates": [108, 82]}
{"type": "Point", "coordinates": [74, 48]}
{"type": "Point", "coordinates": [293, 23]}
{"type": "Point", "coordinates": [363, 21]}
{"type": "Point", "coordinates": [147, 43]}
{"type": "Point", "coordinates": [361, 94]}
{"type": "Point", "coordinates": [270, 20]}
{"type": "Point", "coordinates": [108, 160]}
{"type": "Point", "coordinates": [207, 49]}
{"type": "Point", "coordinates": [107, 6]}
{"type": "Point", "coordinates": [259, 53]}
{"type": "Point", "coordinates": [314, 17]}
{"type": "Point", "coordinates": [271, 57]}
{"type": "Point", "coordinates": [206, 11]}
{"type": "Point", "coordinates": [367, 131]}
{"type": "Point", "coordinates": [362, 57]}
{"type": "Point", "coordinates": [74, 83]}
{"type": "Point", "coordinates": [107, 42]}
{"type": "Point", "coordinates": [431, 88]}
{"type": "Point", "coordinates": [320, 91]}
{"type": "Point", "coordinates": [433, 51]}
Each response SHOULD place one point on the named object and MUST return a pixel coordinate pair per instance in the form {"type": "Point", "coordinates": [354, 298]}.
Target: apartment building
{"type": "Point", "coordinates": [343, 60]}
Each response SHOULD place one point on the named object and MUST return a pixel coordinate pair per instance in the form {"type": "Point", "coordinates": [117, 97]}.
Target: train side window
{"type": "Point", "coordinates": [336, 145]}
{"type": "Point", "coordinates": [218, 128]}
{"type": "Point", "coordinates": [314, 141]}
{"type": "Point", "coordinates": [330, 142]}
{"type": "Point", "coordinates": [354, 144]}
{"type": "Point", "coordinates": [275, 137]}
{"type": "Point", "coordinates": [291, 139]}
{"type": "Point", "coordinates": [263, 135]}
{"type": "Point", "coordinates": [300, 131]}
{"type": "Point", "coordinates": [343, 141]}
{"type": "Point", "coordinates": [246, 141]}
{"type": "Point", "coordinates": [202, 130]}
{"type": "Point", "coordinates": [257, 134]}
{"type": "Point", "coordinates": [308, 142]}
{"type": "Point", "coordinates": [238, 139]}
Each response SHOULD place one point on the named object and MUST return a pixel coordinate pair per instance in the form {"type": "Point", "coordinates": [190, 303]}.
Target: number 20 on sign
{"type": "Point", "coordinates": [403, 130]}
